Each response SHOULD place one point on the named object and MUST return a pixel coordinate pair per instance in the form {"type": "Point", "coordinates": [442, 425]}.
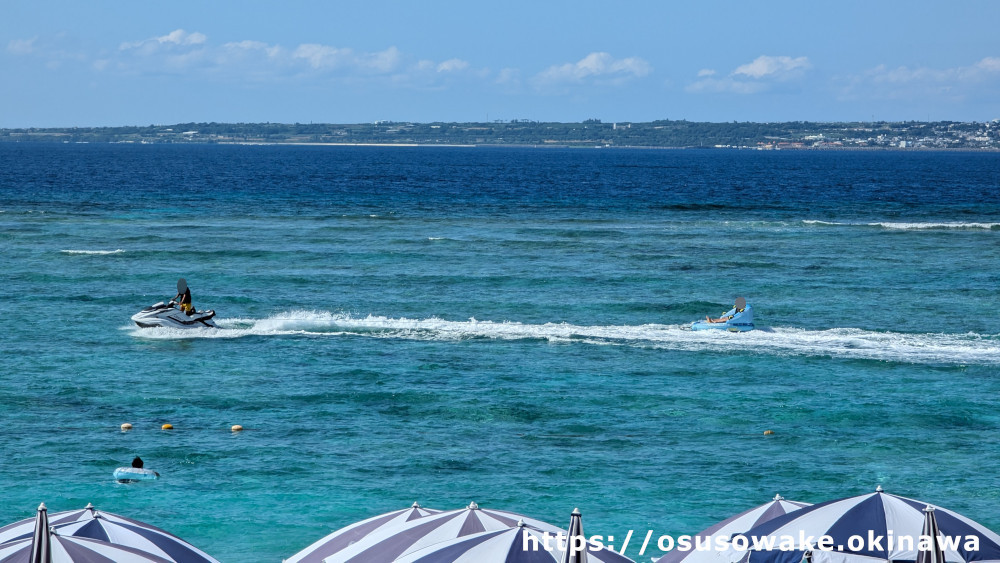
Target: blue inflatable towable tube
{"type": "Point", "coordinates": [741, 321]}
{"type": "Point", "coordinates": [130, 474]}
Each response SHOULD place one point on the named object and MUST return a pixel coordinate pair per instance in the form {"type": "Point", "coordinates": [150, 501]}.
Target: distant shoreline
{"type": "Point", "coordinates": [664, 134]}
{"type": "Point", "coordinates": [522, 146]}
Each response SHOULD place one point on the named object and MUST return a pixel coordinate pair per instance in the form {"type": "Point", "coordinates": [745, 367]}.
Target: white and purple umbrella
{"type": "Point", "coordinates": [732, 525]}
{"type": "Point", "coordinates": [876, 514]}
{"type": "Point", "coordinates": [381, 525]}
{"type": "Point", "coordinates": [110, 528]}
{"type": "Point", "coordinates": [46, 545]}
{"type": "Point", "coordinates": [389, 544]}
{"type": "Point", "coordinates": [521, 544]}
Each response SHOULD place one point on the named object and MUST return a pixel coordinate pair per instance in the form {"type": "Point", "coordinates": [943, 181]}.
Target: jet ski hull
{"type": "Point", "coordinates": [166, 315]}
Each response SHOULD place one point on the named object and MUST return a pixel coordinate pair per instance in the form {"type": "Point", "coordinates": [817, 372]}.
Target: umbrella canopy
{"type": "Point", "coordinates": [69, 549]}
{"type": "Point", "coordinates": [110, 528]}
{"type": "Point", "coordinates": [522, 544]}
{"type": "Point", "coordinates": [733, 525]}
{"type": "Point", "coordinates": [45, 545]}
{"type": "Point", "coordinates": [381, 525]}
{"type": "Point", "coordinates": [874, 514]}
{"type": "Point", "coordinates": [387, 545]}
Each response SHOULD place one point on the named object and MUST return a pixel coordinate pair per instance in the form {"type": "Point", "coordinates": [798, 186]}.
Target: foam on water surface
{"type": "Point", "coordinates": [926, 348]}
{"type": "Point", "coordinates": [94, 252]}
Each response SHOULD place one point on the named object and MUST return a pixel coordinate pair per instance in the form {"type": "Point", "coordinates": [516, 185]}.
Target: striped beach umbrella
{"type": "Point", "coordinates": [742, 522]}
{"type": "Point", "coordinates": [379, 526]}
{"type": "Point", "coordinates": [46, 545]}
{"type": "Point", "coordinates": [932, 553]}
{"type": "Point", "coordinates": [113, 529]}
{"type": "Point", "coordinates": [896, 522]}
{"type": "Point", "coordinates": [521, 544]}
{"type": "Point", "coordinates": [387, 545]}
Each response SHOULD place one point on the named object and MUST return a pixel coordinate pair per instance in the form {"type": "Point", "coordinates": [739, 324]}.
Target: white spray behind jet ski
{"type": "Point", "coordinates": [169, 315]}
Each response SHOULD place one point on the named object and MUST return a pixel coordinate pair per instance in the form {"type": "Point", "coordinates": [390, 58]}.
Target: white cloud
{"type": "Point", "coordinates": [323, 56]}
{"type": "Point", "coordinates": [452, 65]}
{"type": "Point", "coordinates": [192, 53]}
{"type": "Point", "coordinates": [177, 37]}
{"type": "Point", "coordinates": [53, 52]}
{"type": "Point", "coordinates": [600, 67]}
{"type": "Point", "coordinates": [756, 76]}
{"type": "Point", "coordinates": [181, 37]}
{"type": "Point", "coordinates": [21, 46]}
{"type": "Point", "coordinates": [510, 76]}
{"type": "Point", "coordinates": [247, 47]}
{"type": "Point", "coordinates": [773, 67]}
{"type": "Point", "coordinates": [989, 64]}
{"type": "Point", "coordinates": [903, 74]}
{"type": "Point", "coordinates": [381, 61]}
{"type": "Point", "coordinates": [946, 85]}
{"type": "Point", "coordinates": [983, 69]}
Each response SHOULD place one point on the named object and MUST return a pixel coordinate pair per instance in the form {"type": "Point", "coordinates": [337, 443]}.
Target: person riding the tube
{"type": "Point", "coordinates": [738, 307]}
{"type": "Point", "coordinates": [184, 294]}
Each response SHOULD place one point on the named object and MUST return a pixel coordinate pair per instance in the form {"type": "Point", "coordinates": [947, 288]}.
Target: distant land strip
{"type": "Point", "coordinates": [524, 133]}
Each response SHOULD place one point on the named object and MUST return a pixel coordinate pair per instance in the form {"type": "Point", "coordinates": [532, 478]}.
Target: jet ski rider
{"type": "Point", "coordinates": [184, 294]}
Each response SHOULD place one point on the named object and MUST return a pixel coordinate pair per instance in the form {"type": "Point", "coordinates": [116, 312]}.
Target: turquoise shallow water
{"type": "Point", "coordinates": [499, 326]}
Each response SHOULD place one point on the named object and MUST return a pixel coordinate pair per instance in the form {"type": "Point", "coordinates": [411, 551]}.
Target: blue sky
{"type": "Point", "coordinates": [96, 63]}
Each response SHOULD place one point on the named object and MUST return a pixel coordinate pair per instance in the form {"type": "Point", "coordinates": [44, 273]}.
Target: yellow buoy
{"type": "Point", "coordinates": [768, 432]}
{"type": "Point", "coordinates": [126, 427]}
{"type": "Point", "coordinates": [237, 428]}
{"type": "Point", "coordinates": [167, 427]}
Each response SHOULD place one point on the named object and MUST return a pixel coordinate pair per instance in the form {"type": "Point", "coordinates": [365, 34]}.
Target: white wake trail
{"type": "Point", "coordinates": [851, 343]}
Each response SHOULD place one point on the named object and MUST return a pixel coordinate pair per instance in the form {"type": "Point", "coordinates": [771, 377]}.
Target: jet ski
{"type": "Point", "coordinates": [740, 319]}
{"type": "Point", "coordinates": [170, 316]}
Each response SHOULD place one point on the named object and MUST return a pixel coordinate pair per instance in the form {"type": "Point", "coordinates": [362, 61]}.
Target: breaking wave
{"type": "Point", "coordinates": [911, 226]}
{"type": "Point", "coordinates": [99, 252]}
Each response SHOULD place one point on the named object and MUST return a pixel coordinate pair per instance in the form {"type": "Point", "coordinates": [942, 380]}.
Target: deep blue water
{"type": "Point", "coordinates": [505, 326]}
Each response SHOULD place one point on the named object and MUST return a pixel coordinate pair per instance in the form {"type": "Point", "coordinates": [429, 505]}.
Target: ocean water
{"type": "Point", "coordinates": [504, 326]}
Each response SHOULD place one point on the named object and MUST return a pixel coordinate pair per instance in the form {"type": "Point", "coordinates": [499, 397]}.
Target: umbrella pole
{"type": "Point", "coordinates": [41, 551]}
{"type": "Point", "coordinates": [576, 543]}
{"type": "Point", "coordinates": [930, 530]}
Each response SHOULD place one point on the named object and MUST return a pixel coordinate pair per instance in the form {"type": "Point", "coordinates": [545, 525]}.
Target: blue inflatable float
{"type": "Point", "coordinates": [737, 319]}
{"type": "Point", "coordinates": [132, 474]}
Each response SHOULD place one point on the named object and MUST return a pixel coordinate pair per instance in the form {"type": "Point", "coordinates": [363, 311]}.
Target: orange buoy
{"type": "Point", "coordinates": [167, 427]}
